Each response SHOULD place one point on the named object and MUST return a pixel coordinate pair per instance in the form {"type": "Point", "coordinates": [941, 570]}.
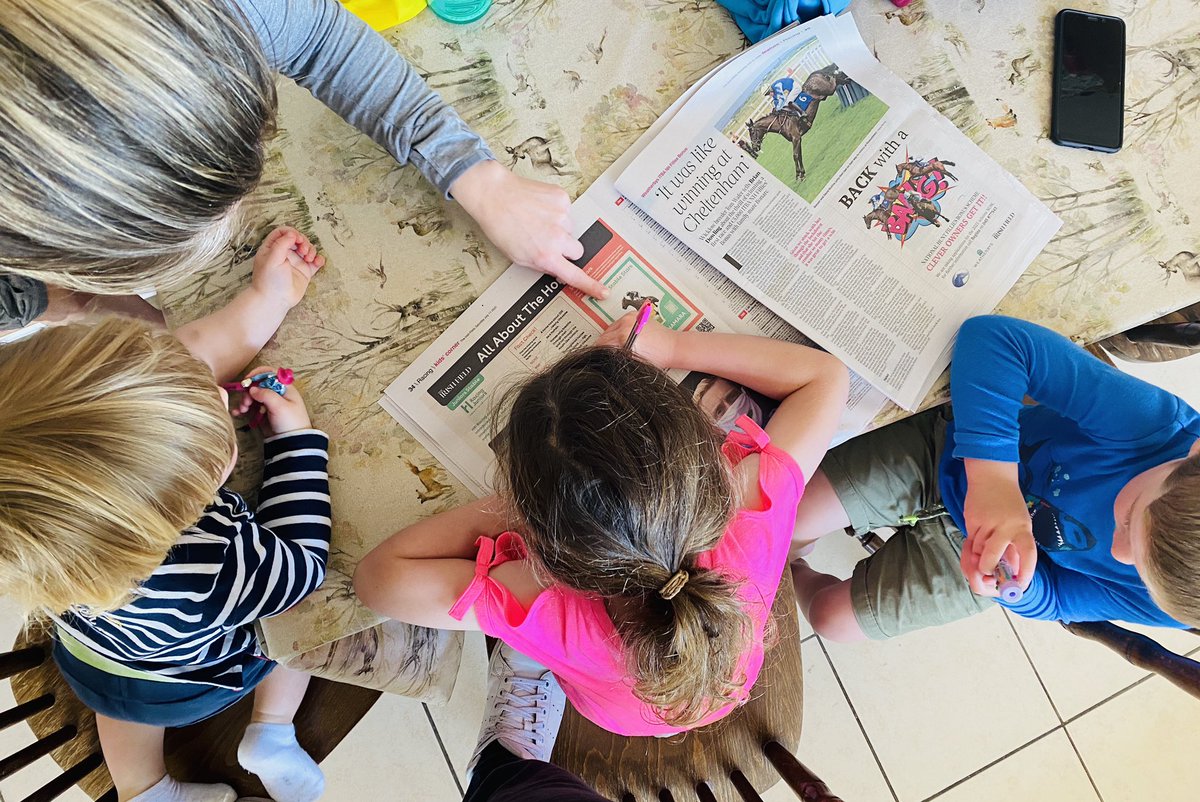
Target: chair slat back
{"type": "Point", "coordinates": [698, 764]}
{"type": "Point", "coordinates": [64, 728]}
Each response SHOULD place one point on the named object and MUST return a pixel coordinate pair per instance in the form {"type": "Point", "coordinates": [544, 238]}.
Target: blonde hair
{"type": "Point", "coordinates": [620, 483]}
{"type": "Point", "coordinates": [129, 131]}
{"type": "Point", "coordinates": [1172, 548]}
{"type": "Point", "coordinates": [113, 439]}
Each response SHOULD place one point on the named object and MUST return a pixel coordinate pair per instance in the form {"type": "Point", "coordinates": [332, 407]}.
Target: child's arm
{"type": "Point", "coordinates": [998, 361]}
{"type": "Point", "coordinates": [230, 337]}
{"type": "Point", "coordinates": [418, 573]}
{"type": "Point", "coordinates": [354, 71]}
{"type": "Point", "coordinates": [812, 384]}
{"type": "Point", "coordinates": [287, 539]}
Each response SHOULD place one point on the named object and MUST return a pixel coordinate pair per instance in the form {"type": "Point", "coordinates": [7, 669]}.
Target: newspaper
{"type": "Point", "coordinates": [832, 193]}
{"type": "Point", "coordinates": [526, 321]}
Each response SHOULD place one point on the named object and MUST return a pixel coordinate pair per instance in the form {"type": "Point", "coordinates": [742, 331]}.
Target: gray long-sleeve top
{"type": "Point", "coordinates": [352, 70]}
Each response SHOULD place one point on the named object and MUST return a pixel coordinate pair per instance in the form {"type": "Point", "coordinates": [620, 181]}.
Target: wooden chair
{"type": "Point", "coordinates": [64, 728]}
{"type": "Point", "coordinates": [1143, 652]}
{"type": "Point", "coordinates": [733, 760]}
{"type": "Point", "coordinates": [1170, 337]}
{"type": "Point", "coordinates": [203, 752]}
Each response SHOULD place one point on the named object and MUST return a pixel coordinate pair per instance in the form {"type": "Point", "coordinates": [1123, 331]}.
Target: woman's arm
{"type": "Point", "coordinates": [354, 71]}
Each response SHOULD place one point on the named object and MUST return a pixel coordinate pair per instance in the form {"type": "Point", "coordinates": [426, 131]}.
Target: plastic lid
{"type": "Point", "coordinates": [460, 12]}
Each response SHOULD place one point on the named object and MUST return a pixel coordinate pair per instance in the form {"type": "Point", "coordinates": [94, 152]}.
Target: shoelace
{"type": "Point", "coordinates": [520, 695]}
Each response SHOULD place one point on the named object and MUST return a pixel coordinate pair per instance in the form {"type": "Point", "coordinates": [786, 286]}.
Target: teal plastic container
{"type": "Point", "coordinates": [460, 12]}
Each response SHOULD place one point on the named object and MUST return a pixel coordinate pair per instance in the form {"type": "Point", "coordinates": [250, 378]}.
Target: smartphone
{"type": "Point", "coordinates": [1089, 81]}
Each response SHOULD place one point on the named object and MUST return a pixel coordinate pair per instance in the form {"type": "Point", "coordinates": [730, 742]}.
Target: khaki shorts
{"type": "Point", "coordinates": [914, 580]}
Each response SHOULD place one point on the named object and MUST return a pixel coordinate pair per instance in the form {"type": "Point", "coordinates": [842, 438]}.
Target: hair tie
{"type": "Point", "coordinates": [674, 585]}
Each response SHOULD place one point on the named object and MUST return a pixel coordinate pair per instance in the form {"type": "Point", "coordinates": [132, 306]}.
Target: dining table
{"type": "Point", "coordinates": [559, 89]}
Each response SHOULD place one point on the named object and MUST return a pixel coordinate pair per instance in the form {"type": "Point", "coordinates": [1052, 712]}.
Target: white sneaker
{"type": "Point", "coordinates": [524, 707]}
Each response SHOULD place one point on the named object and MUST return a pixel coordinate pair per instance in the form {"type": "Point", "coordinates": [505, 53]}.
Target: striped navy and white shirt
{"type": "Point", "coordinates": [193, 619]}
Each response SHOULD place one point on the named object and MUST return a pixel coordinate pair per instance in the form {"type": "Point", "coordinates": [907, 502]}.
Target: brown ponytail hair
{"type": "Point", "coordinates": [620, 483]}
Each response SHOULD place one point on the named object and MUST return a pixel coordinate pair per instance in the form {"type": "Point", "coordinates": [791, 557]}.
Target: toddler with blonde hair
{"type": "Point", "coordinates": [115, 443]}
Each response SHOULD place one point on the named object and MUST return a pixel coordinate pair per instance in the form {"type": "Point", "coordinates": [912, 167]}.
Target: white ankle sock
{"type": "Point", "coordinates": [168, 789]}
{"type": "Point", "coordinates": [286, 770]}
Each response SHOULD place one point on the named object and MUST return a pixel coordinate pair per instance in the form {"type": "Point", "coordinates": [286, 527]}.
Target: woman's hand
{"type": "Point", "coordinates": [528, 220]}
{"type": "Point", "coordinates": [655, 343]}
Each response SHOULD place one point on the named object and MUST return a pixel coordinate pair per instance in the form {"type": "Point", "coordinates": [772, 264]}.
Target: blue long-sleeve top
{"type": "Point", "coordinates": [1092, 430]}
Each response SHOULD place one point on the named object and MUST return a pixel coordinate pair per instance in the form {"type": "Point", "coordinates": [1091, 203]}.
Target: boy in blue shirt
{"type": "Point", "coordinates": [1092, 496]}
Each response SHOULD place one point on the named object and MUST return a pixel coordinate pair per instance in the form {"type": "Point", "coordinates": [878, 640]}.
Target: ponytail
{"type": "Point", "coordinates": [684, 650]}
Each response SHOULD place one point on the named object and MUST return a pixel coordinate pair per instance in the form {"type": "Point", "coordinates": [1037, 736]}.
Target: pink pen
{"type": "Point", "coordinates": [643, 317]}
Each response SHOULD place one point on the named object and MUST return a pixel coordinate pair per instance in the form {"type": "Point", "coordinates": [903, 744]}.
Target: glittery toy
{"type": "Point", "coordinates": [276, 382]}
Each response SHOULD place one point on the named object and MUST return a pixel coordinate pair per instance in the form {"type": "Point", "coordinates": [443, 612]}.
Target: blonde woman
{"type": "Point", "coordinates": [114, 445]}
{"type": "Point", "coordinates": [130, 129]}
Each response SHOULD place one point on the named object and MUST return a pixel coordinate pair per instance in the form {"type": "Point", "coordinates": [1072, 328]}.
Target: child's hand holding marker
{"type": "Point", "coordinates": [273, 396]}
{"type": "Point", "coordinates": [652, 342]}
{"type": "Point", "coordinates": [999, 554]}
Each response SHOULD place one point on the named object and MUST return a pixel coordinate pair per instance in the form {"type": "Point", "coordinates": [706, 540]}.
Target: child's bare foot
{"type": "Point", "coordinates": [285, 263]}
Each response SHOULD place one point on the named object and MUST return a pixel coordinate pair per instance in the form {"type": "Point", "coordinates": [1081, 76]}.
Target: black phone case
{"type": "Point", "coordinates": [1054, 136]}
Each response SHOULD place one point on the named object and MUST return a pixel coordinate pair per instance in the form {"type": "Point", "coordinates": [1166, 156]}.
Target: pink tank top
{"type": "Point", "coordinates": [571, 633]}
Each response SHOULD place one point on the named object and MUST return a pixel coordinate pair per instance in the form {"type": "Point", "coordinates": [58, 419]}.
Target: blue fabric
{"type": "Point", "coordinates": [758, 19]}
{"type": "Point", "coordinates": [145, 701]}
{"type": "Point", "coordinates": [1093, 430]}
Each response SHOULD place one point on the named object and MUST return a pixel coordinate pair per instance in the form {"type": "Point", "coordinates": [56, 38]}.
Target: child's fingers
{"type": "Point", "coordinates": [1024, 561]}
{"type": "Point", "coordinates": [278, 233]}
{"type": "Point", "coordinates": [969, 562]}
{"type": "Point", "coordinates": [273, 401]}
{"type": "Point", "coordinates": [277, 250]}
{"type": "Point", "coordinates": [618, 331]}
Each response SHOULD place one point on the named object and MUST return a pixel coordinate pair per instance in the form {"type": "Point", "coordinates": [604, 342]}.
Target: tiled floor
{"type": "Point", "coordinates": [994, 708]}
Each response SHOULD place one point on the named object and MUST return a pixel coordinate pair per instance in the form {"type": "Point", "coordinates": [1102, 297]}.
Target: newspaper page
{"type": "Point", "coordinates": [831, 192]}
{"type": "Point", "coordinates": [525, 322]}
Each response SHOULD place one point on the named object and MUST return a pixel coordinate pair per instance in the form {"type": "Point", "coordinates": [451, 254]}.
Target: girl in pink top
{"type": "Point", "coordinates": [633, 549]}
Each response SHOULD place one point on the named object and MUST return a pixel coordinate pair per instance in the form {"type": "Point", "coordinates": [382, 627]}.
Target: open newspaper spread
{"type": "Point", "coordinates": [526, 321]}
{"type": "Point", "coordinates": [832, 193]}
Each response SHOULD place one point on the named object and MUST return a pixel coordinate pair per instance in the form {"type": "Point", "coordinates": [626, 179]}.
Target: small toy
{"type": "Point", "coordinates": [384, 14]}
{"type": "Point", "coordinates": [900, 3]}
{"type": "Point", "coordinates": [276, 382]}
{"type": "Point", "coordinates": [1010, 591]}
{"type": "Point", "coordinates": [460, 12]}
{"type": "Point", "coordinates": [643, 318]}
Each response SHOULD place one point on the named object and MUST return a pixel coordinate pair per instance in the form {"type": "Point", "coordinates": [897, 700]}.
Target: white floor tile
{"type": "Point", "coordinates": [832, 745]}
{"type": "Point", "coordinates": [458, 721]}
{"type": "Point", "coordinates": [390, 756]}
{"type": "Point", "coordinates": [1046, 769]}
{"type": "Point", "coordinates": [941, 703]}
{"type": "Point", "coordinates": [1079, 673]}
{"type": "Point", "coordinates": [1143, 744]}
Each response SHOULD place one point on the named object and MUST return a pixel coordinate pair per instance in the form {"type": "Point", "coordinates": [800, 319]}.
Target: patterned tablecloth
{"type": "Point", "coordinates": [560, 88]}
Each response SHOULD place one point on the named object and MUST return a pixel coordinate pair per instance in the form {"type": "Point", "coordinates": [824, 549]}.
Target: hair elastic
{"type": "Point", "coordinates": [674, 585]}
